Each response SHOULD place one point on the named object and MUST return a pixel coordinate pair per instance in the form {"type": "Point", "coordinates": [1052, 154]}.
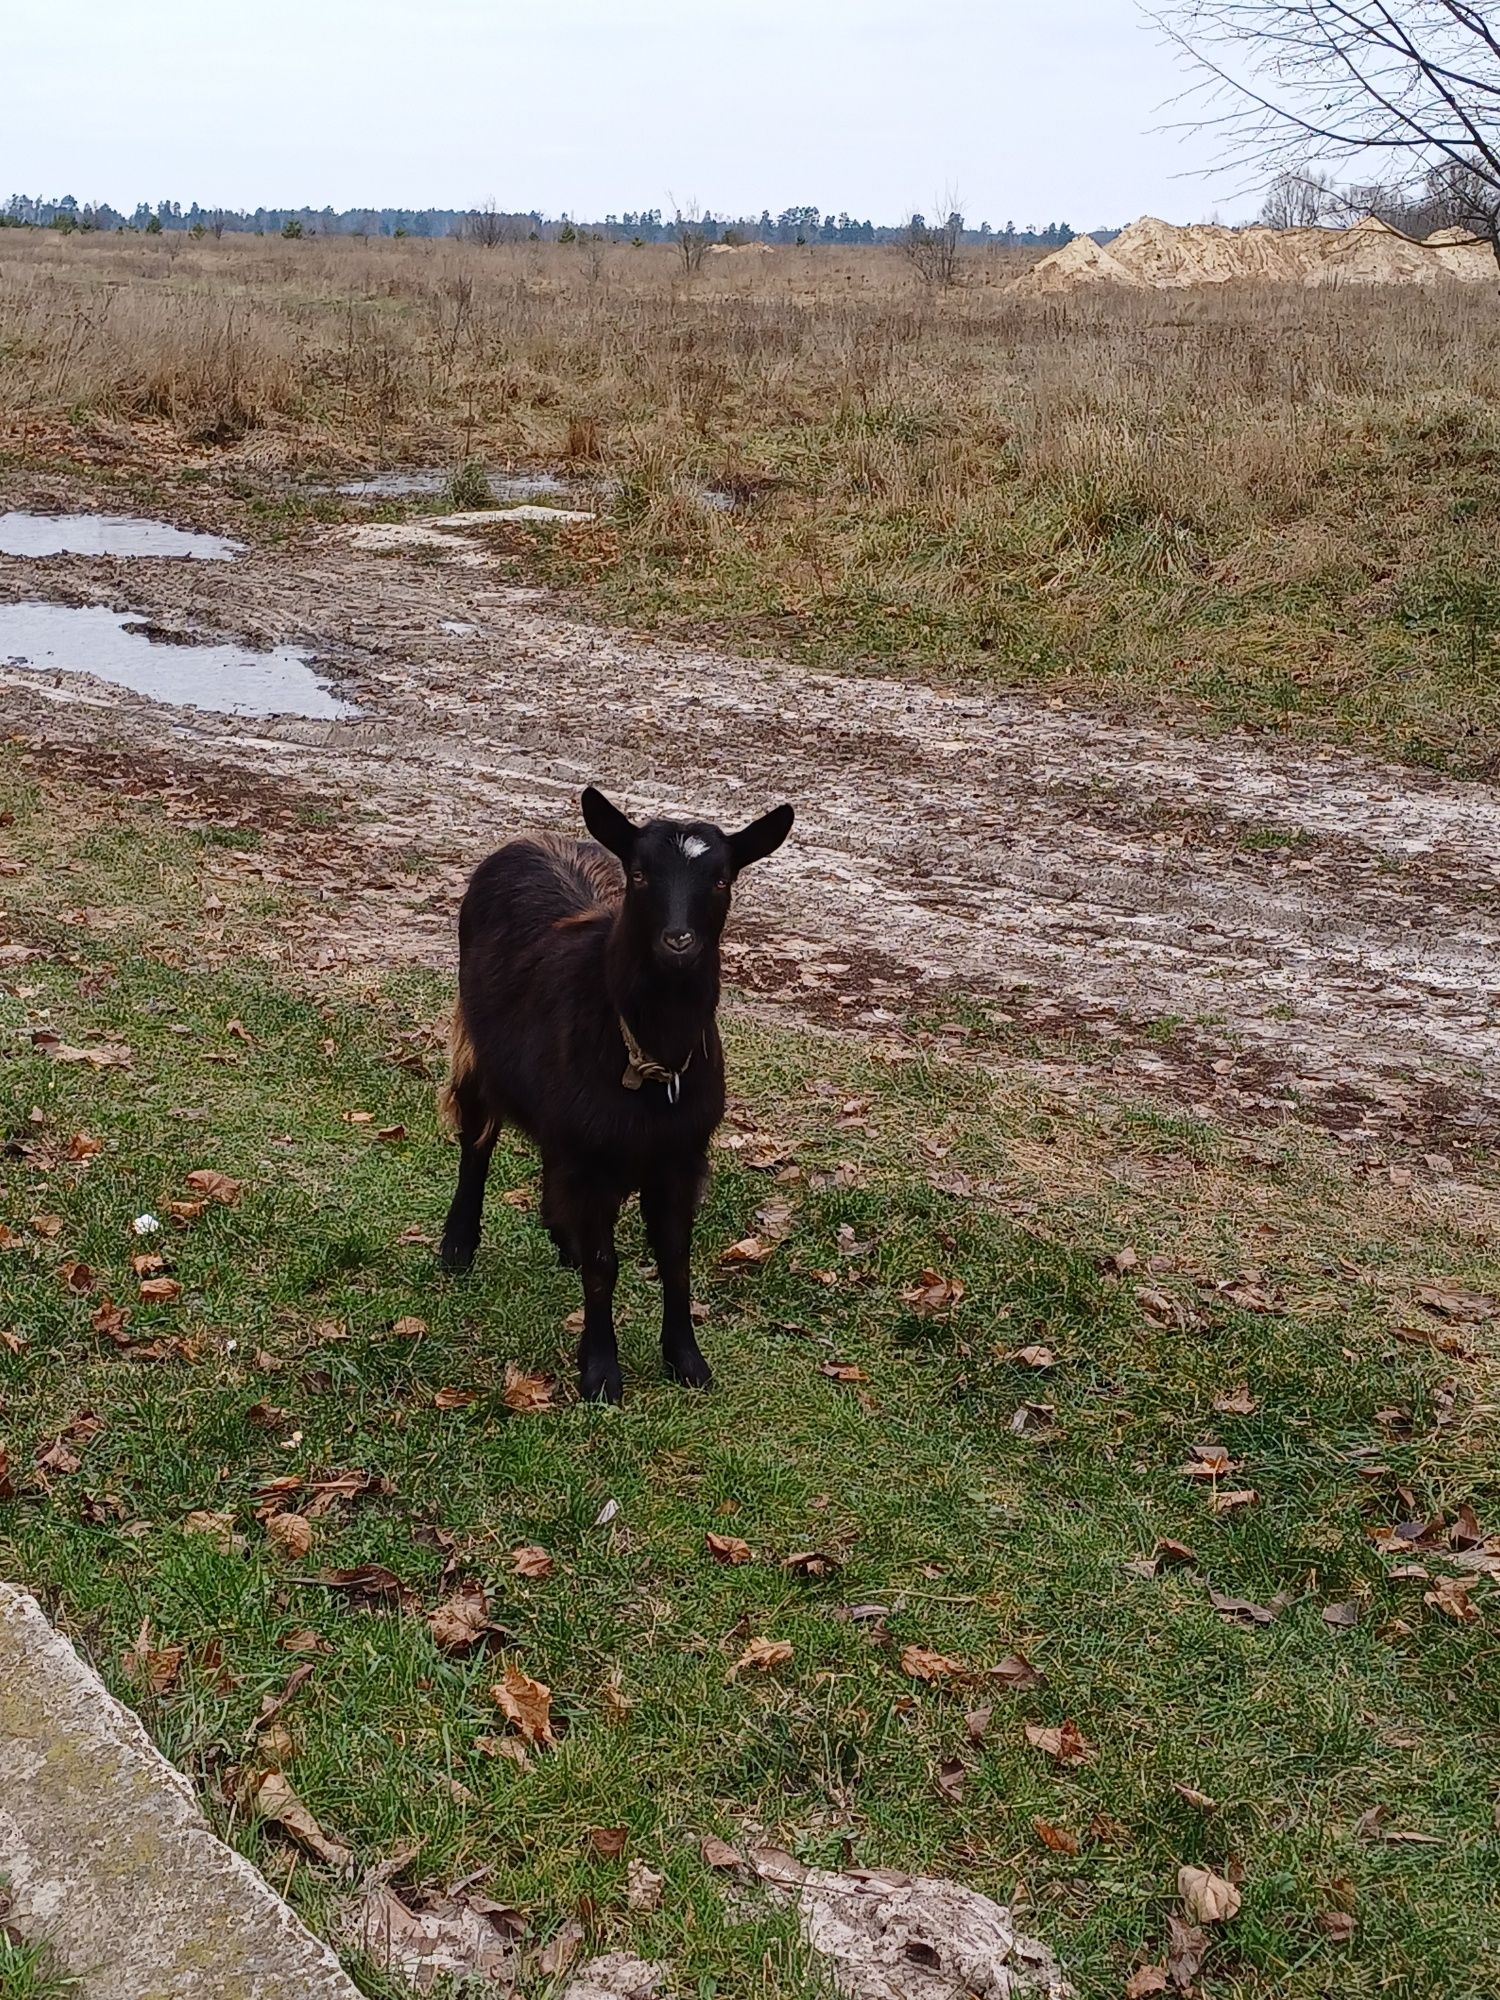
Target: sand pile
{"type": "Point", "coordinates": [1154, 255]}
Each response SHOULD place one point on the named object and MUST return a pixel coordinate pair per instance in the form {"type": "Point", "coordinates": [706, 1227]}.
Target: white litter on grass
{"type": "Point", "coordinates": [616, 1976]}
{"type": "Point", "coordinates": [145, 1225]}
{"type": "Point", "coordinates": [442, 531]}
{"type": "Point", "coordinates": [890, 1936]}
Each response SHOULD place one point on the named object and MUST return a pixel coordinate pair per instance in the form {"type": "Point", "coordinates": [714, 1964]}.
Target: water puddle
{"type": "Point", "coordinates": [119, 647]}
{"type": "Point", "coordinates": [108, 535]}
{"type": "Point", "coordinates": [504, 486]}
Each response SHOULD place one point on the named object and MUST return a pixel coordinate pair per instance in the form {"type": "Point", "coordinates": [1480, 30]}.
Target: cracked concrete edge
{"type": "Point", "coordinates": [108, 1857]}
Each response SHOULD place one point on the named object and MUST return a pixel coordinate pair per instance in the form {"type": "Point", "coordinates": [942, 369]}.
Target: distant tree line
{"type": "Point", "coordinates": [490, 224]}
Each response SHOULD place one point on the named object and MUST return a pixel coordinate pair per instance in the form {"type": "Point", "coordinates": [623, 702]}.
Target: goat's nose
{"type": "Point", "coordinates": [679, 940]}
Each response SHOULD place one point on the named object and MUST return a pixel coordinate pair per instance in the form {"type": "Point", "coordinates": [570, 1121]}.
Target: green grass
{"type": "Point", "coordinates": [26, 1973]}
{"type": "Point", "coordinates": [978, 1539]}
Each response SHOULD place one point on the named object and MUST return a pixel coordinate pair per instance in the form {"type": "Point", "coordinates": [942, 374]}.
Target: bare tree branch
{"type": "Point", "coordinates": [1412, 83]}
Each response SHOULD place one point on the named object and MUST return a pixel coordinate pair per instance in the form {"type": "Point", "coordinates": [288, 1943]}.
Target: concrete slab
{"type": "Point", "coordinates": [109, 1858]}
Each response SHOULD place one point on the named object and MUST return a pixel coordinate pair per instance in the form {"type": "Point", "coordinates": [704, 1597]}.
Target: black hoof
{"type": "Point", "coordinates": [601, 1385]}
{"type": "Point", "coordinates": [690, 1369]}
{"type": "Point", "coordinates": [454, 1255]}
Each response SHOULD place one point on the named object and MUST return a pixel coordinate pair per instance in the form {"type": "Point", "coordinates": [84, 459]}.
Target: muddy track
{"type": "Point", "coordinates": [1262, 927]}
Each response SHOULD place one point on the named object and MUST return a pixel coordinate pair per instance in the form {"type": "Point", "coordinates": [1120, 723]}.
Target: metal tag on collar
{"type": "Point", "coordinates": [674, 1087]}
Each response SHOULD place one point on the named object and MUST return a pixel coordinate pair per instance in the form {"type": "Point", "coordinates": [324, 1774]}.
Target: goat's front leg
{"type": "Point", "coordinates": [668, 1206]}
{"type": "Point", "coordinates": [592, 1233]}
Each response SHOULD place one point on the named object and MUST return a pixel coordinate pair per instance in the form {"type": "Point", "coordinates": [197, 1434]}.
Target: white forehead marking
{"type": "Point", "coordinates": [693, 845]}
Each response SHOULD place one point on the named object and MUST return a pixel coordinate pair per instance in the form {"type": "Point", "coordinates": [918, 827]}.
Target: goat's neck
{"type": "Point", "coordinates": [669, 1013]}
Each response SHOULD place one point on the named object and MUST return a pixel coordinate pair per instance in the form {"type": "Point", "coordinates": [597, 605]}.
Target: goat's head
{"type": "Point", "coordinates": [679, 873]}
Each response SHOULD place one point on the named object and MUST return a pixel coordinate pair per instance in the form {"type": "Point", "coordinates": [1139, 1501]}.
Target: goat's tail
{"type": "Point", "coordinates": [459, 1087]}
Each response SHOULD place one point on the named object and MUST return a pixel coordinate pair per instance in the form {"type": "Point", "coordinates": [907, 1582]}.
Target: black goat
{"type": "Point", "coordinates": [588, 982]}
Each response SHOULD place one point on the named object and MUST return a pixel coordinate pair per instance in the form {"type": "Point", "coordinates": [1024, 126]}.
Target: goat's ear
{"type": "Point", "coordinates": [761, 837]}
{"type": "Point", "coordinates": [607, 823]}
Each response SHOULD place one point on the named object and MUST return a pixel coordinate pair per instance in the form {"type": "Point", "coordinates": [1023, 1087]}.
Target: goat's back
{"type": "Point", "coordinates": [538, 883]}
{"type": "Point", "coordinates": [532, 932]}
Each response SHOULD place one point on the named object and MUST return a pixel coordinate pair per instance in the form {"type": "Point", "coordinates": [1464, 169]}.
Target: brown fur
{"type": "Point", "coordinates": [595, 880]}
{"type": "Point", "coordinates": [461, 1060]}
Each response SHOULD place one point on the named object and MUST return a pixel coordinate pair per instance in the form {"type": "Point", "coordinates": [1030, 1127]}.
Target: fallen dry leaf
{"type": "Point", "coordinates": [291, 1533]}
{"type": "Point", "coordinates": [748, 1250]}
{"type": "Point", "coordinates": [842, 1371]}
{"type": "Point", "coordinates": [460, 1622]}
{"type": "Point", "coordinates": [160, 1291]}
{"type": "Point", "coordinates": [949, 1779]}
{"type": "Point", "coordinates": [1147, 1980]}
{"type": "Point", "coordinates": [1340, 1617]}
{"type": "Point", "coordinates": [152, 1667]}
{"type": "Point", "coordinates": [113, 1055]}
{"type": "Point", "coordinates": [1207, 1897]}
{"type": "Point", "coordinates": [1241, 1610]}
{"type": "Point", "coordinates": [1013, 1670]}
{"type": "Point", "coordinates": [1450, 1595]}
{"type": "Point", "coordinates": [508, 1748]}
{"type": "Point", "coordinates": [1056, 1837]}
{"type": "Point", "coordinates": [214, 1186]}
{"type": "Point", "coordinates": [1038, 1357]}
{"type": "Point", "coordinates": [1187, 1947]}
{"type": "Point", "coordinates": [526, 1704]}
{"type": "Point", "coordinates": [762, 1654]}
{"type": "Point", "coordinates": [608, 1841]}
{"type": "Point", "coordinates": [1067, 1743]}
{"type": "Point", "coordinates": [1336, 1924]}
{"type": "Point", "coordinates": [7, 1477]}
{"type": "Point", "coordinates": [525, 1393]}
{"type": "Point", "coordinates": [371, 1584]}
{"type": "Point", "coordinates": [220, 1526]}
{"type": "Point", "coordinates": [1237, 1402]}
{"type": "Point", "coordinates": [1194, 1798]}
{"type": "Point", "coordinates": [47, 1225]}
{"type": "Point", "coordinates": [408, 1327]}
{"type": "Point", "coordinates": [1229, 1501]}
{"type": "Point", "coordinates": [185, 1211]}
{"type": "Point", "coordinates": [617, 1704]}
{"type": "Point", "coordinates": [727, 1548]}
{"type": "Point", "coordinates": [643, 1886]}
{"type": "Point", "coordinates": [531, 1562]}
{"type": "Point", "coordinates": [718, 1853]}
{"type": "Point", "coordinates": [933, 1293]}
{"type": "Point", "coordinates": [305, 1640]}
{"type": "Point", "coordinates": [925, 1665]}
{"type": "Point", "coordinates": [273, 1799]}
{"type": "Point", "coordinates": [1209, 1461]}
{"type": "Point", "coordinates": [1448, 1304]}
{"type": "Point", "coordinates": [454, 1399]}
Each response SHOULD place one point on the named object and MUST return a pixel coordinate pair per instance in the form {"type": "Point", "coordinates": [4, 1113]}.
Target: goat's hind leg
{"type": "Point", "coordinates": [477, 1133]}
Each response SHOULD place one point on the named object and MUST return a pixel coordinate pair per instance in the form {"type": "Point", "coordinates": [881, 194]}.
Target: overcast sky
{"type": "Point", "coordinates": [1035, 110]}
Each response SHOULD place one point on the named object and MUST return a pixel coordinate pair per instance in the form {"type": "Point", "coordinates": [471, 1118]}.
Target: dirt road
{"type": "Point", "coordinates": [1245, 927]}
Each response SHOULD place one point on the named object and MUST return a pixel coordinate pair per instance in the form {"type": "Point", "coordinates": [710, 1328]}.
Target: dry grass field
{"type": "Point", "coordinates": [1275, 507]}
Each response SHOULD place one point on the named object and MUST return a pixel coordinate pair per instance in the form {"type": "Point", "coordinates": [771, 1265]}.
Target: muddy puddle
{"type": "Point", "coordinates": [124, 649]}
{"type": "Point", "coordinates": [505, 487]}
{"type": "Point", "coordinates": [108, 535]}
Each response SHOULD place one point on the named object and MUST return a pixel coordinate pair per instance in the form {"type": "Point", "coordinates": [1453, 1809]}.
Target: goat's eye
{"type": "Point", "coordinates": [638, 877]}
{"type": "Point", "coordinates": [722, 883]}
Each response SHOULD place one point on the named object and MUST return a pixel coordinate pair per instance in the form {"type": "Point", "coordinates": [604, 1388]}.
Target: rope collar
{"type": "Point", "coordinates": [641, 1068]}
